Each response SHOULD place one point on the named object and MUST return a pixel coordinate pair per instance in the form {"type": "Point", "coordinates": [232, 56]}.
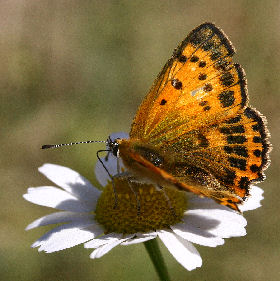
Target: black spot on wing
{"type": "Point", "coordinates": [227, 79]}
{"type": "Point", "coordinates": [238, 163]}
{"type": "Point", "coordinates": [208, 87]}
{"type": "Point", "coordinates": [254, 168]}
{"type": "Point", "coordinates": [177, 84]}
{"type": "Point", "coordinates": [236, 139]}
{"type": "Point", "coordinates": [194, 59]}
{"type": "Point", "coordinates": [202, 64]}
{"type": "Point", "coordinates": [244, 183]}
{"type": "Point", "coordinates": [202, 76]}
{"type": "Point", "coordinates": [233, 120]}
{"type": "Point", "coordinates": [226, 98]}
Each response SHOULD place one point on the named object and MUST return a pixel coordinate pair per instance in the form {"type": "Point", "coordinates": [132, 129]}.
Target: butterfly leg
{"type": "Point", "coordinates": [129, 179]}
{"type": "Point", "coordinates": [161, 188]}
{"type": "Point", "coordinates": [118, 166]}
{"type": "Point", "coordinates": [136, 196]}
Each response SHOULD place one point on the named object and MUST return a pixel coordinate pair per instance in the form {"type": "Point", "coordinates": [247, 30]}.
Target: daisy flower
{"type": "Point", "coordinates": [140, 213]}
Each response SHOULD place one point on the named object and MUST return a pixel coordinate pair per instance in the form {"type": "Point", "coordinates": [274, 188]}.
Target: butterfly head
{"type": "Point", "coordinates": [113, 146]}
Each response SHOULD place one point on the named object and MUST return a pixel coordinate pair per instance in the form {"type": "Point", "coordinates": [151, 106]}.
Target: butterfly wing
{"type": "Point", "coordinates": [197, 112]}
{"type": "Point", "coordinates": [198, 86]}
{"type": "Point", "coordinates": [234, 152]}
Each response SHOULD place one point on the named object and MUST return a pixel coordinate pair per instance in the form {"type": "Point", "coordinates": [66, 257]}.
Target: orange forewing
{"type": "Point", "coordinates": [169, 105]}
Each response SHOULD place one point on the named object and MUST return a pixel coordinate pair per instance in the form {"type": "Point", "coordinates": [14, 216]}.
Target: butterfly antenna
{"type": "Point", "coordinates": [45, 146]}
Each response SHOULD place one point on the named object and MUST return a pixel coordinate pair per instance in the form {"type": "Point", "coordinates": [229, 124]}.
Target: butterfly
{"type": "Point", "coordinates": [194, 130]}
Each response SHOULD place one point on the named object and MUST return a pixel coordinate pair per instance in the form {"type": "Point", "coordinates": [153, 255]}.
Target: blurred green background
{"type": "Point", "coordinates": [77, 70]}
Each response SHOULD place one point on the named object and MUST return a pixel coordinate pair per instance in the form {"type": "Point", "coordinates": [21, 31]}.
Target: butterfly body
{"type": "Point", "coordinates": [194, 130]}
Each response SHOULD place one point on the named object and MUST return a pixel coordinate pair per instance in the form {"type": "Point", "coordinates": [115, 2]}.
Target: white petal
{"type": "Point", "coordinates": [196, 235]}
{"type": "Point", "coordinates": [104, 239]}
{"type": "Point", "coordinates": [253, 201]}
{"type": "Point", "coordinates": [101, 251]}
{"type": "Point", "coordinates": [53, 197]}
{"type": "Point", "coordinates": [208, 216]}
{"type": "Point", "coordinates": [110, 163]}
{"type": "Point", "coordinates": [67, 235]}
{"type": "Point", "coordinates": [182, 250]}
{"type": "Point", "coordinates": [140, 238]}
{"type": "Point", "coordinates": [59, 217]}
{"type": "Point", "coordinates": [72, 182]}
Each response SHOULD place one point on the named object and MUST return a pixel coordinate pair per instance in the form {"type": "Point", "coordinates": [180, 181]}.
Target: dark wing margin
{"type": "Point", "coordinates": [199, 38]}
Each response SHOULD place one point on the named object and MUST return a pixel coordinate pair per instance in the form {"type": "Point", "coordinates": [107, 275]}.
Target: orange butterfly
{"type": "Point", "coordinates": [194, 130]}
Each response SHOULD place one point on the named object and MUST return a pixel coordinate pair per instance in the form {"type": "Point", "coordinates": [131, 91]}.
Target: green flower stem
{"type": "Point", "coordinates": [154, 252]}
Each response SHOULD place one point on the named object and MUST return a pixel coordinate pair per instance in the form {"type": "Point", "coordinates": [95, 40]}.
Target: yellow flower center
{"type": "Point", "coordinates": [139, 207]}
